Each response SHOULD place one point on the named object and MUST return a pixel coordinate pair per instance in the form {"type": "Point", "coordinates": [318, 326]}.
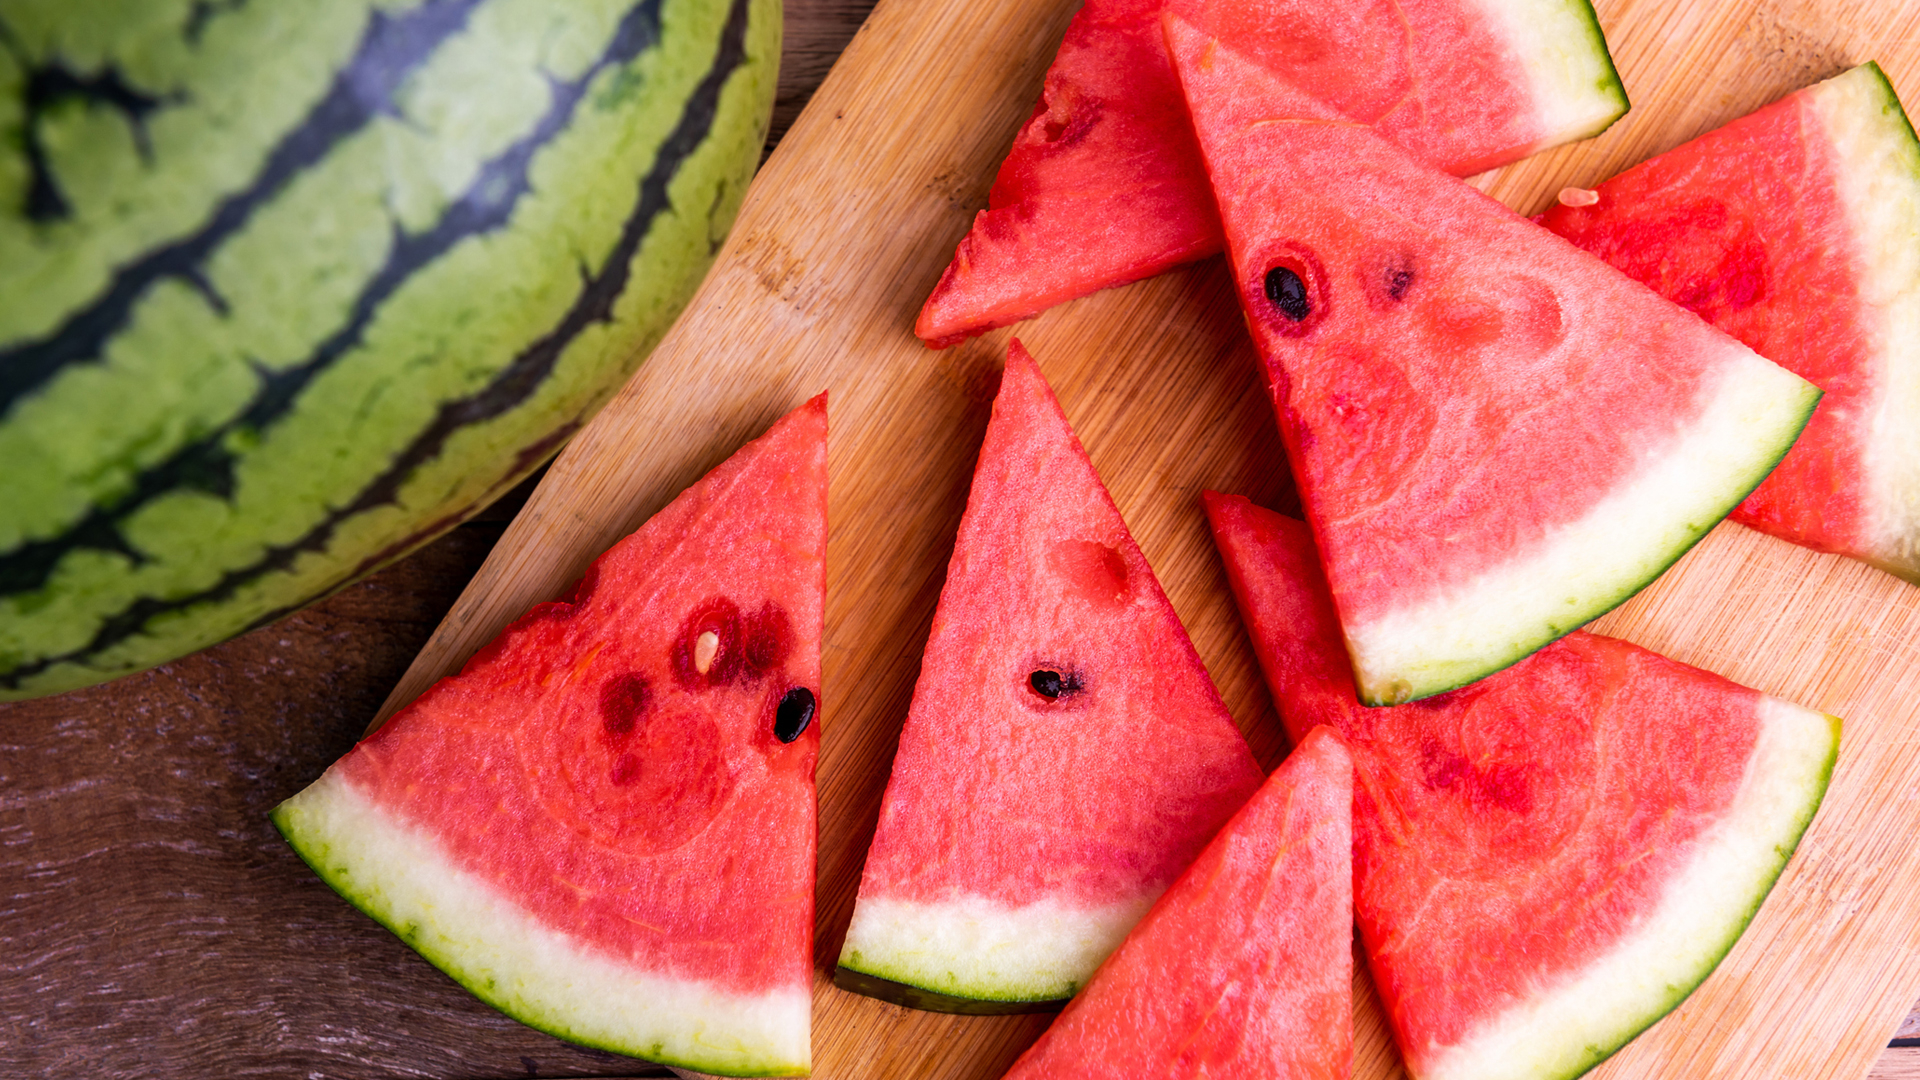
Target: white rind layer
{"type": "Point", "coordinates": [973, 947]}
{"type": "Point", "coordinates": [1748, 420]}
{"type": "Point", "coordinates": [401, 877]}
{"type": "Point", "coordinates": [1878, 178]}
{"type": "Point", "coordinates": [1567, 1028]}
{"type": "Point", "coordinates": [1576, 92]}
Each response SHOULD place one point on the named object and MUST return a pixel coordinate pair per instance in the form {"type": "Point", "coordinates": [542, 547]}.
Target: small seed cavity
{"type": "Point", "coordinates": [624, 700]}
{"type": "Point", "coordinates": [1287, 292]}
{"type": "Point", "coordinates": [1399, 280]}
{"type": "Point", "coordinates": [1052, 685]}
{"type": "Point", "coordinates": [705, 648]}
{"type": "Point", "coordinates": [793, 715]}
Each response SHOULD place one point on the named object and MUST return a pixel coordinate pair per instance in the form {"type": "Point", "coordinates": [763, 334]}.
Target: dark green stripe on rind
{"type": "Point", "coordinates": [915, 997]}
{"type": "Point", "coordinates": [392, 48]}
{"type": "Point", "coordinates": [49, 86]}
{"type": "Point", "coordinates": [711, 133]}
{"type": "Point", "coordinates": [207, 463]}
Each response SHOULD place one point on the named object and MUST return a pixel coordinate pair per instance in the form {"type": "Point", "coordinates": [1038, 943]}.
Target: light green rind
{"type": "Point", "coordinates": [1454, 648]}
{"type": "Point", "coordinates": [182, 369]}
{"type": "Point", "coordinates": [977, 955]}
{"type": "Point", "coordinates": [1561, 45]}
{"type": "Point", "coordinates": [1877, 177]}
{"type": "Point", "coordinates": [396, 875]}
{"type": "Point", "coordinates": [1789, 801]}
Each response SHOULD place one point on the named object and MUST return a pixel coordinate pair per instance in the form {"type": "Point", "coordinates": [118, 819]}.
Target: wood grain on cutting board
{"type": "Point", "coordinates": [845, 232]}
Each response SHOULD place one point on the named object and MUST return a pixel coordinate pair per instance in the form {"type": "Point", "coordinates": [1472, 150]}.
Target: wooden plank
{"type": "Point", "coordinates": [847, 229]}
{"type": "Point", "coordinates": [1898, 1063]}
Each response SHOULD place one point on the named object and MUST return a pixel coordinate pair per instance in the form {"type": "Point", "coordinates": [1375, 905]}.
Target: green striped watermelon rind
{"type": "Point", "coordinates": [401, 878]}
{"type": "Point", "coordinates": [1570, 1028]}
{"type": "Point", "coordinates": [1745, 426]}
{"type": "Point", "coordinates": [270, 385]}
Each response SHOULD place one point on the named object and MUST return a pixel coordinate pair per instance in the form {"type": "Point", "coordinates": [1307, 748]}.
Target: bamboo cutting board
{"type": "Point", "coordinates": [845, 231]}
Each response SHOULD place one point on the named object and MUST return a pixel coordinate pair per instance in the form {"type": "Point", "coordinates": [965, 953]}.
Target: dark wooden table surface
{"type": "Point", "coordinates": [156, 925]}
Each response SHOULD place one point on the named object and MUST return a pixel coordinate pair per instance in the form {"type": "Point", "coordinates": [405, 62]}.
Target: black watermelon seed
{"type": "Point", "coordinates": [1288, 293]}
{"type": "Point", "coordinates": [793, 715]}
{"type": "Point", "coordinates": [1052, 685]}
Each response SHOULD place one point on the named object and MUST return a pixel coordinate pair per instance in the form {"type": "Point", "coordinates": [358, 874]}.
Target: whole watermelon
{"type": "Point", "coordinates": [290, 287]}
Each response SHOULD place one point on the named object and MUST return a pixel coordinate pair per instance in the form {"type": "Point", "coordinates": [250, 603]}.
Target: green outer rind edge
{"type": "Point", "coordinates": [856, 981]}
{"type": "Point", "coordinates": [1892, 105]}
{"type": "Point", "coordinates": [1627, 592]}
{"type": "Point", "coordinates": [1896, 129]}
{"type": "Point", "coordinates": [1611, 85]}
{"type": "Point", "coordinates": [1595, 1055]}
{"type": "Point", "coordinates": [1738, 927]}
{"type": "Point", "coordinates": [1603, 84]}
{"type": "Point", "coordinates": [313, 850]}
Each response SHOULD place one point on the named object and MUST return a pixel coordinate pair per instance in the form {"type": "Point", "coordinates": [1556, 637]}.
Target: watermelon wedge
{"type": "Point", "coordinates": [1792, 229]}
{"type": "Point", "coordinates": [1065, 755]}
{"type": "Point", "coordinates": [1104, 184]}
{"type": "Point", "coordinates": [1549, 860]}
{"type": "Point", "coordinates": [604, 825]}
{"type": "Point", "coordinates": [1496, 436]}
{"type": "Point", "coordinates": [1245, 967]}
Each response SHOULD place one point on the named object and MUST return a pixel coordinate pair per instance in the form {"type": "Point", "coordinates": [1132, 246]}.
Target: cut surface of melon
{"type": "Point", "coordinates": [1791, 229]}
{"type": "Point", "coordinates": [1496, 436]}
{"type": "Point", "coordinates": [1578, 1022]}
{"type": "Point", "coordinates": [1549, 860]}
{"type": "Point", "coordinates": [1592, 563]}
{"type": "Point", "coordinates": [1103, 185]}
{"type": "Point", "coordinates": [603, 825]}
{"type": "Point", "coordinates": [401, 877]}
{"type": "Point", "coordinates": [1065, 754]}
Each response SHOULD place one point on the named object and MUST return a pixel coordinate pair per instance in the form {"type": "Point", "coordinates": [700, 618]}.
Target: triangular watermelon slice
{"type": "Point", "coordinates": [1245, 967]}
{"type": "Point", "coordinates": [1496, 436]}
{"type": "Point", "coordinates": [604, 825]}
{"type": "Point", "coordinates": [1104, 184]}
{"type": "Point", "coordinates": [1549, 860]}
{"type": "Point", "coordinates": [1065, 755]}
{"type": "Point", "coordinates": [1793, 230]}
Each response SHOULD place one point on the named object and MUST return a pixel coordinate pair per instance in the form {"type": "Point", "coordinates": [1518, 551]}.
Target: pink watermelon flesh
{"type": "Point", "coordinates": [1245, 967]}
{"type": "Point", "coordinates": [604, 825]}
{"type": "Point", "coordinates": [1104, 184]}
{"type": "Point", "coordinates": [1546, 861]}
{"type": "Point", "coordinates": [1786, 229]}
{"type": "Point", "coordinates": [1065, 755]}
{"type": "Point", "coordinates": [1496, 436]}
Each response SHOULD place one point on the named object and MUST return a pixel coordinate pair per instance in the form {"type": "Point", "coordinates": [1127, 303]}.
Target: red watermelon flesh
{"type": "Point", "coordinates": [604, 824]}
{"type": "Point", "coordinates": [1104, 184]}
{"type": "Point", "coordinates": [1245, 967]}
{"type": "Point", "coordinates": [1549, 860]}
{"type": "Point", "coordinates": [1792, 229]}
{"type": "Point", "coordinates": [1065, 755]}
{"type": "Point", "coordinates": [1496, 436]}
